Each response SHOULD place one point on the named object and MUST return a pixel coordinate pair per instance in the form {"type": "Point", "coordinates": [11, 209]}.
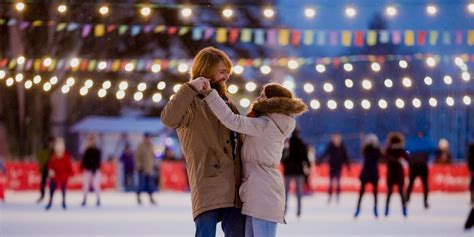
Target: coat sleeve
{"type": "Point", "coordinates": [235, 122]}
{"type": "Point", "coordinates": [176, 113]}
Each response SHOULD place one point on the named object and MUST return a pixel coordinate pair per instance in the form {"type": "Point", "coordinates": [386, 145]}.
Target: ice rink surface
{"type": "Point", "coordinates": [120, 215]}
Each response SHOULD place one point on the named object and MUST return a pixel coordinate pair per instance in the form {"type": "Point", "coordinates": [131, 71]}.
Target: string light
{"type": "Point", "coordinates": [244, 102]}
{"type": "Point", "coordinates": [183, 67]}
{"type": "Point", "coordinates": [308, 87]}
{"type": "Point", "coordinates": [65, 89]}
{"type": "Point", "coordinates": [332, 104]}
{"type": "Point", "coordinates": [2, 74]}
{"type": "Point", "coordinates": [428, 81]}
{"type": "Point", "coordinates": [104, 10]}
{"type": "Point", "coordinates": [9, 82]}
{"type": "Point", "coordinates": [123, 85]}
{"type": "Point", "coordinates": [382, 104]}
{"type": "Point", "coordinates": [250, 86]}
{"type": "Point", "coordinates": [348, 104]}
{"type": "Point", "coordinates": [391, 11]}
{"type": "Point", "coordinates": [102, 93]}
{"type": "Point", "coordinates": [366, 84]}
{"type": "Point", "coordinates": [238, 69]}
{"type": "Point", "coordinates": [138, 96]}
{"type": "Point", "coordinates": [107, 84]}
{"type": "Point", "coordinates": [348, 67]}
{"type": "Point", "coordinates": [228, 12]}
{"type": "Point", "coordinates": [407, 82]}
{"type": "Point", "coordinates": [74, 62]}
{"type": "Point", "coordinates": [102, 65]}
{"type": "Point", "coordinates": [431, 62]}
{"type": "Point", "coordinates": [88, 84]}
{"type": "Point", "coordinates": [129, 67]}
{"type": "Point", "coordinates": [309, 12]}
{"type": "Point", "coordinates": [399, 103]}
{"type": "Point", "coordinates": [145, 11]}
{"type": "Point", "coordinates": [431, 10]}
{"type": "Point", "coordinates": [47, 62]}
{"type": "Point", "coordinates": [350, 12]}
{"type": "Point", "coordinates": [466, 76]}
{"type": "Point", "coordinates": [265, 69]}
{"type": "Point", "coordinates": [293, 64]}
{"type": "Point", "coordinates": [176, 87]}
{"type": "Point", "coordinates": [433, 102]}
{"type": "Point", "coordinates": [328, 87]}
{"type": "Point", "coordinates": [156, 68]}
{"type": "Point", "coordinates": [70, 81]}
{"type": "Point", "coordinates": [20, 6]}
{"type": "Point", "coordinates": [315, 104]}
{"type": "Point", "coordinates": [141, 86]}
{"type": "Point", "coordinates": [28, 84]}
{"type": "Point", "coordinates": [19, 77]}
{"type": "Point", "coordinates": [289, 84]}
{"type": "Point", "coordinates": [458, 61]}
{"type": "Point", "coordinates": [470, 8]}
{"type": "Point", "coordinates": [232, 89]}
{"type": "Point", "coordinates": [467, 100]}
{"type": "Point", "coordinates": [47, 86]}
{"type": "Point", "coordinates": [448, 80]}
{"type": "Point", "coordinates": [185, 12]}
{"type": "Point", "coordinates": [20, 60]}
{"type": "Point", "coordinates": [320, 68]}
{"type": "Point", "coordinates": [53, 80]}
{"type": "Point", "coordinates": [349, 83]}
{"type": "Point", "coordinates": [161, 85]}
{"type": "Point", "coordinates": [449, 101]}
{"type": "Point", "coordinates": [37, 79]}
{"type": "Point", "coordinates": [83, 91]}
{"type": "Point", "coordinates": [268, 12]}
{"type": "Point", "coordinates": [388, 83]}
{"type": "Point", "coordinates": [416, 103]}
{"type": "Point", "coordinates": [365, 104]}
{"type": "Point", "coordinates": [62, 8]}
{"type": "Point", "coordinates": [403, 64]}
{"type": "Point", "coordinates": [157, 97]}
{"type": "Point", "coordinates": [120, 94]}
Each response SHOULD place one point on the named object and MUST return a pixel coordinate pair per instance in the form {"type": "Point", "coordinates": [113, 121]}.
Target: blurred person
{"type": "Point", "coordinates": [128, 167]}
{"type": "Point", "coordinates": [211, 150]}
{"type": "Point", "coordinates": [418, 165]}
{"type": "Point", "coordinates": [3, 171]}
{"type": "Point", "coordinates": [91, 162]}
{"type": "Point", "coordinates": [144, 165]}
{"type": "Point", "coordinates": [336, 153]}
{"type": "Point", "coordinates": [470, 161]}
{"type": "Point", "coordinates": [270, 121]}
{"type": "Point", "coordinates": [59, 171]}
{"type": "Point", "coordinates": [369, 174]}
{"type": "Point", "coordinates": [296, 167]}
{"type": "Point", "coordinates": [394, 152]}
{"type": "Point", "coordinates": [443, 155]}
{"type": "Point", "coordinates": [43, 157]}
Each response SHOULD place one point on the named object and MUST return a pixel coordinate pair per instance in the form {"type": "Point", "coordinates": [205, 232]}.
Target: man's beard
{"type": "Point", "coordinates": [220, 87]}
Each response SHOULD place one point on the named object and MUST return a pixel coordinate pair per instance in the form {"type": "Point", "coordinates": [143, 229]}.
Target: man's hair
{"type": "Point", "coordinates": [205, 63]}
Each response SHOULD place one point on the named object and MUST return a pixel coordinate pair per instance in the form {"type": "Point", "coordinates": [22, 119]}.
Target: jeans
{"type": "Point", "coordinates": [145, 183]}
{"type": "Point", "coordinates": [233, 222]}
{"type": "Point", "coordinates": [259, 228]}
{"type": "Point", "coordinates": [299, 180]}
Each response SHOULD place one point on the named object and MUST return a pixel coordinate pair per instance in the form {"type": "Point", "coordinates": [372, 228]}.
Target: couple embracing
{"type": "Point", "coordinates": [232, 159]}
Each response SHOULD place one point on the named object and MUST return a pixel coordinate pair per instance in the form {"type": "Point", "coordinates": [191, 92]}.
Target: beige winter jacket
{"type": "Point", "coordinates": [262, 191]}
{"type": "Point", "coordinates": [145, 158]}
{"type": "Point", "coordinates": [214, 174]}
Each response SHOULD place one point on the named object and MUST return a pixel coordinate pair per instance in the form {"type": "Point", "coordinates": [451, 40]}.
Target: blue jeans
{"type": "Point", "coordinates": [145, 183]}
{"type": "Point", "coordinates": [233, 222]}
{"type": "Point", "coordinates": [259, 228]}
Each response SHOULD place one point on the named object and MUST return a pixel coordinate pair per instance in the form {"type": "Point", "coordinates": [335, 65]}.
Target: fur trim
{"type": "Point", "coordinates": [291, 107]}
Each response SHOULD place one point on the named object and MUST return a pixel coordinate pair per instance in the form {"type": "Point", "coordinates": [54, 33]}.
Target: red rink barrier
{"type": "Point", "coordinates": [26, 176]}
{"type": "Point", "coordinates": [445, 178]}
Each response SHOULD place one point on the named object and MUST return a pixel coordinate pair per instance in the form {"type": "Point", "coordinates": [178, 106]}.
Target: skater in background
{"type": "Point", "coordinates": [418, 164]}
{"type": "Point", "coordinates": [470, 161]}
{"type": "Point", "coordinates": [43, 157]}
{"type": "Point", "coordinates": [3, 171]}
{"type": "Point", "coordinates": [394, 152]}
{"type": "Point", "coordinates": [144, 164]}
{"type": "Point", "coordinates": [296, 166]}
{"type": "Point", "coordinates": [371, 154]}
{"type": "Point", "coordinates": [59, 170]}
{"type": "Point", "coordinates": [443, 155]}
{"type": "Point", "coordinates": [91, 162]}
{"type": "Point", "coordinates": [337, 155]}
{"type": "Point", "coordinates": [128, 167]}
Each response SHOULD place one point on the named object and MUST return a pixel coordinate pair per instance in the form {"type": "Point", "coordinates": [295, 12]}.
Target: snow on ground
{"type": "Point", "coordinates": [120, 215]}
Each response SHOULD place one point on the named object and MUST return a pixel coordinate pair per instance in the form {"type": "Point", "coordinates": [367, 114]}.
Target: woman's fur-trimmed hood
{"type": "Point", "coordinates": [288, 106]}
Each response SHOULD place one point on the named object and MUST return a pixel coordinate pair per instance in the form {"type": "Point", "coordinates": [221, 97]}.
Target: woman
{"type": "Point", "coordinates": [270, 121]}
{"type": "Point", "coordinates": [395, 151]}
{"type": "Point", "coordinates": [370, 171]}
{"type": "Point", "coordinates": [59, 169]}
{"type": "Point", "coordinates": [443, 155]}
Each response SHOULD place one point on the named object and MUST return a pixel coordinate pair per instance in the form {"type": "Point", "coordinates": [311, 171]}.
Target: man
{"type": "Point", "coordinates": [43, 157]}
{"type": "Point", "coordinates": [212, 151]}
{"type": "Point", "coordinates": [91, 162]}
{"type": "Point", "coordinates": [144, 164]}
